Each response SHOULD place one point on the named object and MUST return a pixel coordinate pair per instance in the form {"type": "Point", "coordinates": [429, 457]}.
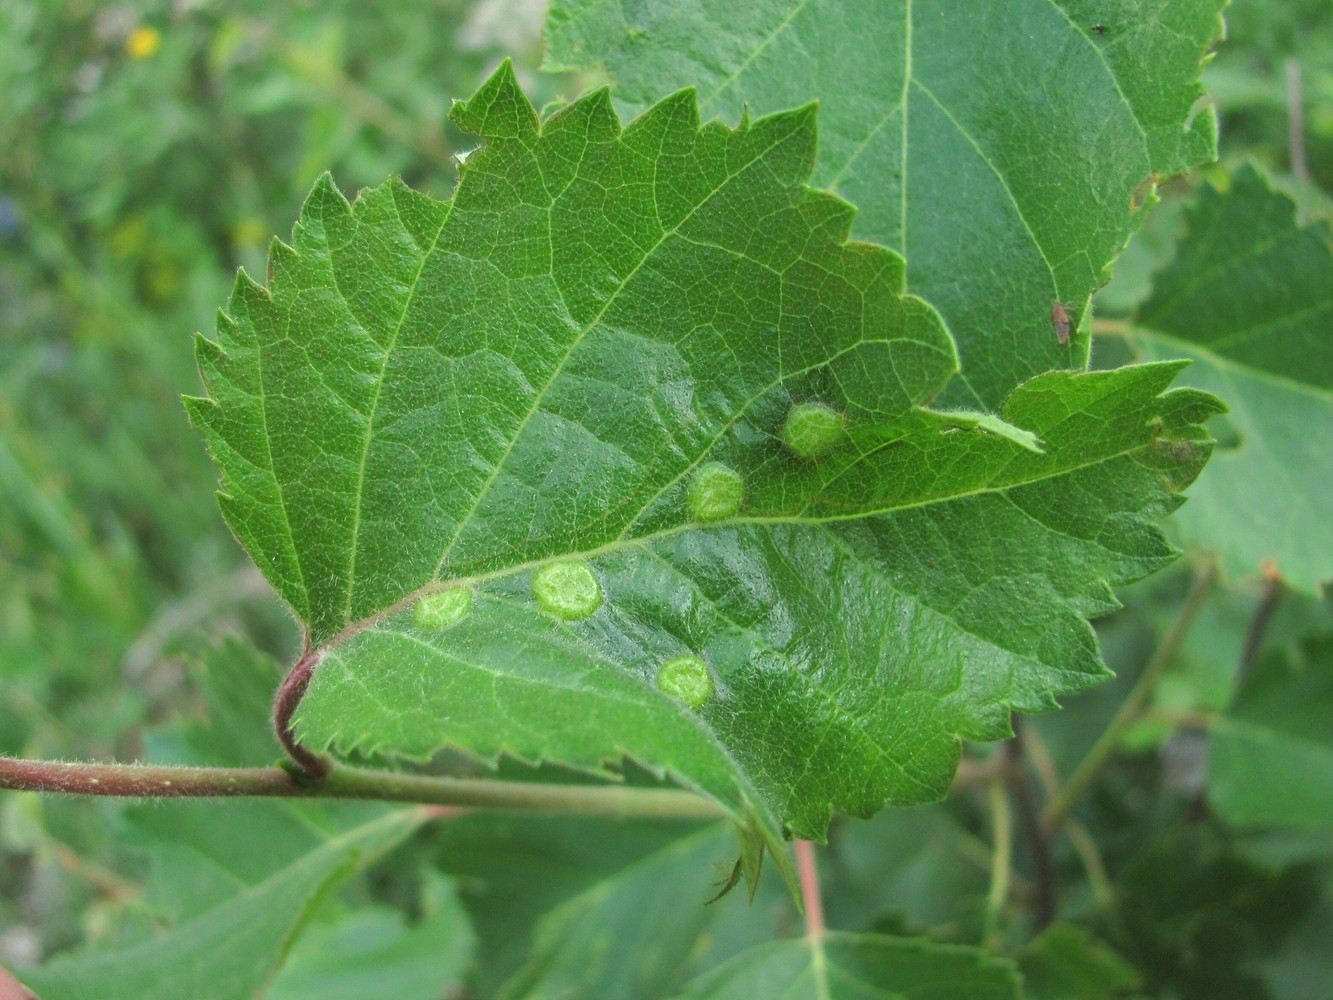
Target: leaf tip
{"type": "Point", "coordinates": [499, 109]}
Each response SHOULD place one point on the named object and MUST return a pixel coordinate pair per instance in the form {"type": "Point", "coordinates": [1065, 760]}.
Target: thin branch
{"type": "Point", "coordinates": [1043, 764]}
{"type": "Point", "coordinates": [1002, 861]}
{"type": "Point", "coordinates": [153, 782]}
{"type": "Point", "coordinates": [1034, 832]}
{"type": "Point", "coordinates": [1058, 808]}
{"type": "Point", "coordinates": [1086, 849]}
{"type": "Point", "coordinates": [1300, 167]}
{"type": "Point", "coordinates": [1263, 616]}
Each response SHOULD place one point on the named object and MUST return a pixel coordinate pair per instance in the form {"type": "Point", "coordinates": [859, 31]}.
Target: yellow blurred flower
{"type": "Point", "coordinates": [249, 233]}
{"type": "Point", "coordinates": [143, 42]}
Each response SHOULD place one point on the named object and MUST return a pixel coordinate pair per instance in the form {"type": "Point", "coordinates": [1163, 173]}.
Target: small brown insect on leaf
{"type": "Point", "coordinates": [1060, 320]}
{"type": "Point", "coordinates": [1145, 191]}
{"type": "Point", "coordinates": [1099, 28]}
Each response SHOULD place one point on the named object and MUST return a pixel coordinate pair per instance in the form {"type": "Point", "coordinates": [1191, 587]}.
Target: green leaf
{"type": "Point", "coordinates": [513, 393]}
{"type": "Point", "coordinates": [606, 943]}
{"type": "Point", "coordinates": [433, 390]}
{"type": "Point", "coordinates": [372, 952]}
{"type": "Point", "coordinates": [514, 870]}
{"type": "Point", "coordinates": [1004, 149]}
{"type": "Point", "coordinates": [230, 951]}
{"type": "Point", "coordinates": [859, 966]}
{"type": "Point", "coordinates": [940, 627]}
{"type": "Point", "coordinates": [1249, 297]}
{"type": "Point", "coordinates": [1270, 757]}
{"type": "Point", "coordinates": [905, 869]}
{"type": "Point", "coordinates": [1065, 963]}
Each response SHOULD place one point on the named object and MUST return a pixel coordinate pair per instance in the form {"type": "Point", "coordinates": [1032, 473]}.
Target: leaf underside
{"type": "Point", "coordinates": [438, 394]}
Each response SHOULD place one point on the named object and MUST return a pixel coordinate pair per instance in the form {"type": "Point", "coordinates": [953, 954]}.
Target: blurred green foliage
{"type": "Point", "coordinates": [150, 149]}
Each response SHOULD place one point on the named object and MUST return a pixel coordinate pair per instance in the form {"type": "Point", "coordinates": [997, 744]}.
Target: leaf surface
{"type": "Point", "coordinates": [372, 951]}
{"type": "Point", "coordinates": [1249, 297]}
{"type": "Point", "coordinates": [515, 870]}
{"type": "Point", "coordinates": [859, 967]}
{"type": "Point", "coordinates": [1270, 756]}
{"type": "Point", "coordinates": [431, 396]}
{"type": "Point", "coordinates": [1004, 149]}
{"type": "Point", "coordinates": [605, 942]}
{"type": "Point", "coordinates": [231, 950]}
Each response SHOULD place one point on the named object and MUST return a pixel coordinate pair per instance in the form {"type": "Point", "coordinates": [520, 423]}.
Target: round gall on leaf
{"type": "Point", "coordinates": [568, 590]}
{"type": "Point", "coordinates": [686, 678]}
{"type": "Point", "coordinates": [442, 610]}
{"type": "Point", "coordinates": [812, 429]}
{"type": "Point", "coordinates": [715, 492]}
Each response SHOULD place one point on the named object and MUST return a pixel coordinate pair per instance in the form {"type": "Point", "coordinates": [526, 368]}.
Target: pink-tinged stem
{"type": "Point", "coordinates": [810, 897]}
{"type": "Point", "coordinates": [290, 692]}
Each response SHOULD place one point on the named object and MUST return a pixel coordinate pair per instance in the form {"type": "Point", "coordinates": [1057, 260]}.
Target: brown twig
{"type": "Point", "coordinates": [1034, 832]}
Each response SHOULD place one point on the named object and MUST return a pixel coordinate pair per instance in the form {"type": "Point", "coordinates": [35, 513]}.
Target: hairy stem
{"type": "Point", "coordinates": [1058, 808]}
{"type": "Point", "coordinates": [339, 782]}
{"type": "Point", "coordinates": [290, 692]}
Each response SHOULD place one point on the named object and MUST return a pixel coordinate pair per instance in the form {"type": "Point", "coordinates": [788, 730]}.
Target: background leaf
{"type": "Point", "coordinates": [1065, 963]}
{"type": "Point", "coordinates": [865, 967]}
{"type": "Point", "coordinates": [1249, 297]}
{"type": "Point", "coordinates": [1003, 148]}
{"type": "Point", "coordinates": [1270, 756]}
{"type": "Point", "coordinates": [606, 943]}
{"type": "Point", "coordinates": [231, 950]}
{"type": "Point", "coordinates": [374, 951]}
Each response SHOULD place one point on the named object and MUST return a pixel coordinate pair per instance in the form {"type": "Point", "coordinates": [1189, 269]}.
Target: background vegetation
{"type": "Point", "coordinates": [152, 148]}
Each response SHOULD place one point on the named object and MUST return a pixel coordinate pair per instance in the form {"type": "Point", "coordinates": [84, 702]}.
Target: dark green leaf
{"type": "Point", "coordinates": [516, 869]}
{"type": "Point", "coordinates": [631, 934]}
{"type": "Point", "coordinates": [1003, 148]}
{"type": "Point", "coordinates": [1065, 963]}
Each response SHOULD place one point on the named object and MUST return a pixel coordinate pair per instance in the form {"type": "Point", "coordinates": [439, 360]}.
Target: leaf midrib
{"type": "Point", "coordinates": [737, 773]}
{"type": "Point", "coordinates": [620, 544]}
{"type": "Point", "coordinates": [559, 368]}
{"type": "Point", "coordinates": [379, 390]}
